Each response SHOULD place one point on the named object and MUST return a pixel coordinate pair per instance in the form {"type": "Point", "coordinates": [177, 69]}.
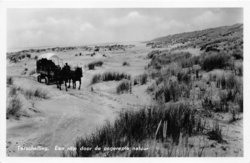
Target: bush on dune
{"type": "Point", "coordinates": [109, 76]}
{"type": "Point", "coordinates": [9, 81]}
{"type": "Point", "coordinates": [171, 91]}
{"type": "Point", "coordinates": [189, 62]}
{"type": "Point", "coordinates": [14, 107]}
{"type": "Point", "coordinates": [141, 79]}
{"type": "Point", "coordinates": [153, 53]}
{"type": "Point", "coordinates": [216, 133]}
{"type": "Point", "coordinates": [166, 58]}
{"type": "Point", "coordinates": [125, 63]}
{"type": "Point", "coordinates": [38, 93]}
{"type": "Point", "coordinates": [124, 86]}
{"type": "Point", "coordinates": [92, 65]}
{"type": "Point", "coordinates": [212, 61]}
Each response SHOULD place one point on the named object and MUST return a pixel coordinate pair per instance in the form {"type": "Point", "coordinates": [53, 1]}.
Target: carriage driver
{"type": "Point", "coordinates": [67, 66]}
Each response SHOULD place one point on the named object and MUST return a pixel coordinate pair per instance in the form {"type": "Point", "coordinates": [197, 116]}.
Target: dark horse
{"type": "Point", "coordinates": [62, 75]}
{"type": "Point", "coordinates": [75, 76]}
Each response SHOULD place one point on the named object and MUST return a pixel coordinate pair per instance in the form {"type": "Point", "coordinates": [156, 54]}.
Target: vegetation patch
{"type": "Point", "coordinates": [9, 81]}
{"type": "Point", "coordinates": [14, 107]}
{"type": "Point", "coordinates": [109, 76]}
{"type": "Point", "coordinates": [37, 93]}
{"type": "Point", "coordinates": [212, 61]}
{"type": "Point", "coordinates": [92, 65]}
{"type": "Point", "coordinates": [141, 79]}
{"type": "Point", "coordinates": [124, 86]}
{"type": "Point", "coordinates": [125, 63]}
{"type": "Point", "coordinates": [133, 127]}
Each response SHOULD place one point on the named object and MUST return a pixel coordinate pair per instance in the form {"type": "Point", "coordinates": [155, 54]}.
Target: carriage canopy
{"type": "Point", "coordinates": [53, 57]}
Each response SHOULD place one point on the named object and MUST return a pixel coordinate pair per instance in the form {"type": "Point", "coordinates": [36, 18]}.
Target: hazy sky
{"type": "Point", "coordinates": [62, 27]}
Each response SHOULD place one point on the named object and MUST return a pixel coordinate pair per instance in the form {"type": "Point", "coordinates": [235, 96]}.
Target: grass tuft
{"type": "Point", "coordinates": [109, 76]}
{"type": "Point", "coordinates": [14, 107]}
{"type": "Point", "coordinates": [93, 64]}
{"type": "Point", "coordinates": [124, 86]}
{"type": "Point", "coordinates": [9, 80]}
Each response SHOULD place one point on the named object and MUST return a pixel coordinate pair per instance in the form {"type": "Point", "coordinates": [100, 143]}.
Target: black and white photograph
{"type": "Point", "coordinates": [124, 82]}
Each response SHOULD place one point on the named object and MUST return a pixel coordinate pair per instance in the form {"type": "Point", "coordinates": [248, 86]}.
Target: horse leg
{"type": "Point", "coordinates": [69, 83]}
{"type": "Point", "coordinates": [80, 84]}
{"type": "Point", "coordinates": [59, 85]}
{"type": "Point", "coordinates": [65, 83]}
{"type": "Point", "coordinates": [74, 84]}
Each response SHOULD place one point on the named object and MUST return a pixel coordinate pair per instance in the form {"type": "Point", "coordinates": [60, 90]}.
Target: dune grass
{"type": "Point", "coordinates": [124, 86]}
{"type": "Point", "coordinates": [215, 133]}
{"type": "Point", "coordinates": [9, 81]}
{"type": "Point", "coordinates": [14, 107]}
{"type": "Point", "coordinates": [141, 79]}
{"type": "Point", "coordinates": [37, 93]}
{"type": "Point", "coordinates": [133, 127]}
{"type": "Point", "coordinates": [125, 63]}
{"type": "Point", "coordinates": [109, 76]}
{"type": "Point", "coordinates": [92, 65]}
{"type": "Point", "coordinates": [212, 61]}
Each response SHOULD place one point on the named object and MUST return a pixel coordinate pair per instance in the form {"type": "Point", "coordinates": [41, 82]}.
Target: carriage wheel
{"type": "Point", "coordinates": [39, 78]}
{"type": "Point", "coordinates": [46, 80]}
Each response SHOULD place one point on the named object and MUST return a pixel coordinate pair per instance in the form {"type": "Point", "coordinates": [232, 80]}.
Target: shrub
{"type": "Point", "coordinates": [141, 79]}
{"type": "Point", "coordinates": [133, 127]}
{"type": "Point", "coordinates": [183, 76]}
{"type": "Point", "coordinates": [28, 55]}
{"type": "Point", "coordinates": [96, 78]}
{"type": "Point", "coordinates": [215, 60]}
{"type": "Point", "coordinates": [109, 76]}
{"type": "Point", "coordinates": [189, 62]}
{"type": "Point", "coordinates": [14, 107]}
{"type": "Point", "coordinates": [239, 101]}
{"type": "Point", "coordinates": [13, 91]}
{"type": "Point", "coordinates": [216, 133]}
{"type": "Point", "coordinates": [9, 81]}
{"type": "Point", "coordinates": [166, 58]}
{"type": "Point", "coordinates": [231, 83]}
{"type": "Point", "coordinates": [36, 57]}
{"type": "Point", "coordinates": [171, 91]}
{"type": "Point", "coordinates": [124, 86]}
{"type": "Point", "coordinates": [125, 63]}
{"type": "Point", "coordinates": [170, 70]}
{"type": "Point", "coordinates": [93, 64]}
{"type": "Point", "coordinates": [153, 53]}
{"type": "Point", "coordinates": [38, 93]}
{"type": "Point", "coordinates": [238, 54]}
{"type": "Point", "coordinates": [41, 94]}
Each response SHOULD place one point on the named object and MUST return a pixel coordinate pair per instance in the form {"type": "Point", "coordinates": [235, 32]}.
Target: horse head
{"type": "Point", "coordinates": [78, 71]}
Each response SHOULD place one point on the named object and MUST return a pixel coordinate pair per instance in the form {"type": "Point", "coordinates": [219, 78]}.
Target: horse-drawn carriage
{"type": "Point", "coordinates": [50, 68]}
{"type": "Point", "coordinates": [46, 66]}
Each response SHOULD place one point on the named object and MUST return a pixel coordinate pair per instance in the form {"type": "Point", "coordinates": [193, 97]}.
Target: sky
{"type": "Point", "coordinates": [75, 27]}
